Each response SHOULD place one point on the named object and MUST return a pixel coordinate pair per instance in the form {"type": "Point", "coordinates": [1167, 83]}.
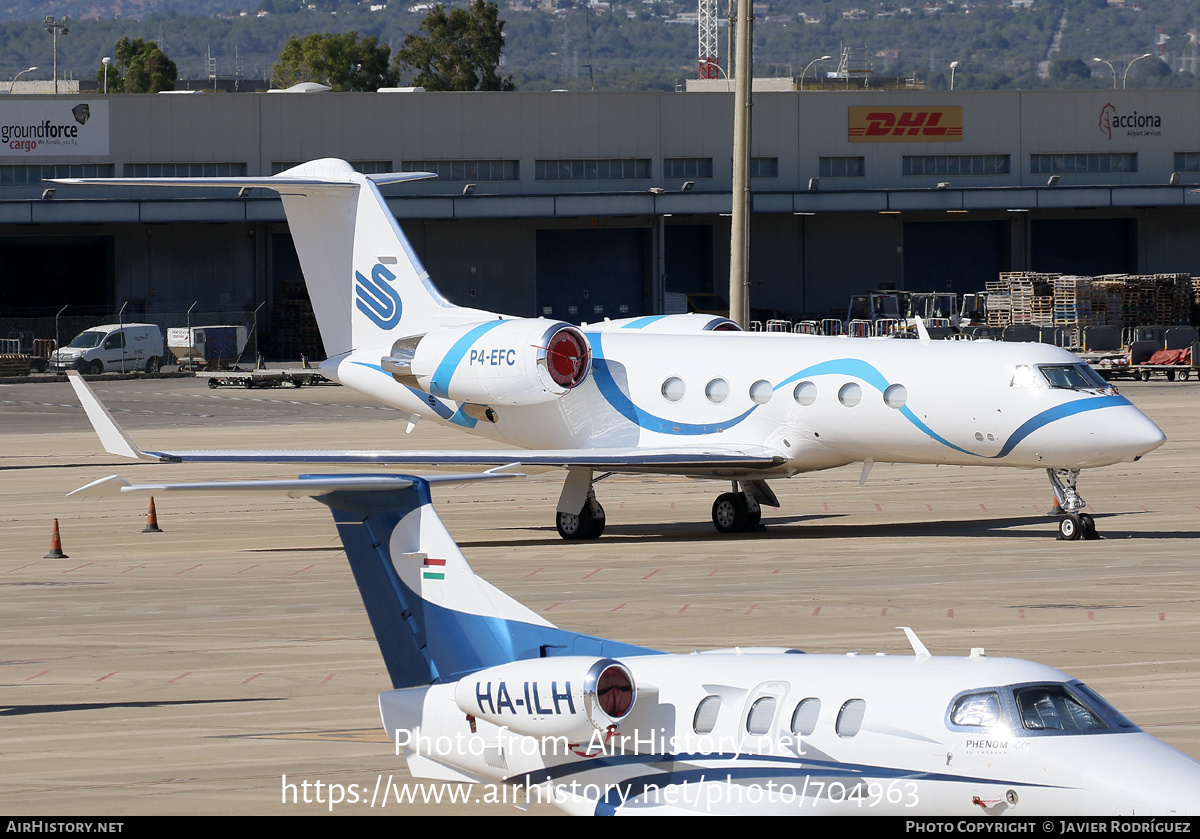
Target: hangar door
{"type": "Point", "coordinates": [1087, 247]}
{"type": "Point", "coordinates": [50, 271]}
{"type": "Point", "coordinates": [957, 256]}
{"type": "Point", "coordinates": [588, 275]}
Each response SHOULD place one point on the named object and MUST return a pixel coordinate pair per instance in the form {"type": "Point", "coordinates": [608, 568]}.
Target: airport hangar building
{"type": "Point", "coordinates": [587, 205]}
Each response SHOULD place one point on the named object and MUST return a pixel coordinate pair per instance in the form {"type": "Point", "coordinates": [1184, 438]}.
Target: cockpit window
{"type": "Point", "coordinates": [1096, 700]}
{"type": "Point", "coordinates": [982, 709]}
{"type": "Point", "coordinates": [1024, 376]}
{"type": "Point", "coordinates": [1073, 377]}
{"type": "Point", "coordinates": [1054, 708]}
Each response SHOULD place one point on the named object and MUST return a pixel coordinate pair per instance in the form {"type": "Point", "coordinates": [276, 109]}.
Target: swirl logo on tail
{"type": "Point", "coordinates": [376, 297]}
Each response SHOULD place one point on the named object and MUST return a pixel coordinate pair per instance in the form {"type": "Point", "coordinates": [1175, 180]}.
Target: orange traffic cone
{"type": "Point", "coordinates": [152, 520]}
{"type": "Point", "coordinates": [55, 545]}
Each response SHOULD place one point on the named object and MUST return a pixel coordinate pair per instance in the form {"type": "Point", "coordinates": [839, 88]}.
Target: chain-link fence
{"type": "Point", "coordinates": [37, 335]}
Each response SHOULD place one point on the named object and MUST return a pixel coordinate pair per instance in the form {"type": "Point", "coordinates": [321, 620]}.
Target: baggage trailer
{"type": "Point", "coordinates": [298, 377]}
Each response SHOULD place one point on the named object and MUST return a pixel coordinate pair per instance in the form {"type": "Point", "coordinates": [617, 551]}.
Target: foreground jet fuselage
{"type": "Point", "coordinates": [486, 690]}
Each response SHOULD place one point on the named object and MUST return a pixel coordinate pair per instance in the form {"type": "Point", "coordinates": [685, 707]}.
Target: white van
{"type": "Point", "coordinates": [112, 348]}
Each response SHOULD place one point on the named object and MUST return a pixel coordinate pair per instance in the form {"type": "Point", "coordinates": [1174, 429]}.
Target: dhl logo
{"type": "Point", "coordinates": [905, 125]}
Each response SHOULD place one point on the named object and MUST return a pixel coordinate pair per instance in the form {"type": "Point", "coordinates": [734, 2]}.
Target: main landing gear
{"type": "Point", "coordinates": [588, 523]}
{"type": "Point", "coordinates": [1073, 524]}
{"type": "Point", "coordinates": [740, 511]}
{"type": "Point", "coordinates": [580, 515]}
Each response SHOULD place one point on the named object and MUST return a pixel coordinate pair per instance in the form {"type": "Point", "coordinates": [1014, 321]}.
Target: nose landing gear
{"type": "Point", "coordinates": [1073, 524]}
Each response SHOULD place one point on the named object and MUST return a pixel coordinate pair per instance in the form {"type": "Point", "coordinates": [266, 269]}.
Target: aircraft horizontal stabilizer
{"type": "Point", "coordinates": [305, 486]}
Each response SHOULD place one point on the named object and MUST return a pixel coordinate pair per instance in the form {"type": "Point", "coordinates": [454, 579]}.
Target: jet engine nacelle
{"type": "Point", "coordinates": [500, 362]}
{"type": "Point", "coordinates": [572, 696]}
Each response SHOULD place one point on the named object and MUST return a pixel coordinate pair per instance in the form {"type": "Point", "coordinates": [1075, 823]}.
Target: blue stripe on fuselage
{"type": "Point", "coordinates": [436, 405]}
{"type": "Point", "coordinates": [440, 383]}
{"type": "Point", "coordinates": [854, 367]}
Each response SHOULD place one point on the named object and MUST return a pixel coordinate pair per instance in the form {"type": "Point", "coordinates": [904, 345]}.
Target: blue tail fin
{"type": "Point", "coordinates": [434, 619]}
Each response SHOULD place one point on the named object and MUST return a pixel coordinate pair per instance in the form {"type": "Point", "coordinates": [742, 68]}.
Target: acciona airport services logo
{"type": "Point", "coordinates": [53, 128]}
{"type": "Point", "coordinates": [1128, 125]}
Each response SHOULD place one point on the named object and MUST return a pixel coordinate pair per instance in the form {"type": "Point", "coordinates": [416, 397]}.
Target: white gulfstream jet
{"type": "Point", "coordinates": [485, 690]}
{"type": "Point", "coordinates": [683, 394]}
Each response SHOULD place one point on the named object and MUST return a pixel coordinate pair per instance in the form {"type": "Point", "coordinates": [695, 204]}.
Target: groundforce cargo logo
{"type": "Point", "coordinates": [1136, 125]}
{"type": "Point", "coordinates": [905, 125]}
{"type": "Point", "coordinates": [376, 297]}
{"type": "Point", "coordinates": [46, 132]}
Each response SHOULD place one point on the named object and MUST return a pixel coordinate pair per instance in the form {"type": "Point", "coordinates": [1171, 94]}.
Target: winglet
{"type": "Point", "coordinates": [919, 649]}
{"type": "Point", "coordinates": [112, 436]}
{"type": "Point", "coordinates": [103, 488]}
{"type": "Point", "coordinates": [922, 332]}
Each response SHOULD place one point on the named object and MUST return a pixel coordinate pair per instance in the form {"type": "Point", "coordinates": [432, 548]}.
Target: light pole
{"type": "Point", "coordinates": [811, 63]}
{"type": "Point", "coordinates": [14, 81]}
{"type": "Point", "coordinates": [54, 27]}
{"type": "Point", "coordinates": [953, 67]}
{"type": "Point", "coordinates": [106, 61]}
{"type": "Point", "coordinates": [1110, 67]}
{"type": "Point", "coordinates": [1125, 77]}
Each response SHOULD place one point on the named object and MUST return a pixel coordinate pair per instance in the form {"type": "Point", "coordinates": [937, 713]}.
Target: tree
{"type": "Point", "coordinates": [140, 67]}
{"type": "Point", "coordinates": [344, 62]}
{"type": "Point", "coordinates": [461, 52]}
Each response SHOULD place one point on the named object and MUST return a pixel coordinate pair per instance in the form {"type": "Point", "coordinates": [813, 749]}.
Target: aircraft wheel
{"type": "Point", "coordinates": [96, 367]}
{"type": "Point", "coordinates": [572, 526]}
{"type": "Point", "coordinates": [1070, 527]}
{"type": "Point", "coordinates": [1088, 525]}
{"type": "Point", "coordinates": [598, 522]}
{"type": "Point", "coordinates": [729, 513]}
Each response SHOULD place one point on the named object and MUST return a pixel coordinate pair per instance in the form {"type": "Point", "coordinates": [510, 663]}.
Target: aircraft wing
{"type": "Point", "coordinates": [681, 460]}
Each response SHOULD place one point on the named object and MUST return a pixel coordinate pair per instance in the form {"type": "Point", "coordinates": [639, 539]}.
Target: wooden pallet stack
{"type": "Point", "coordinates": [999, 303]}
{"type": "Point", "coordinates": [1108, 300]}
{"type": "Point", "coordinates": [1072, 301]}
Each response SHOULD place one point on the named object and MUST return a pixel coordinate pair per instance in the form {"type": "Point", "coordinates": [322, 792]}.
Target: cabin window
{"type": "Point", "coordinates": [850, 718]}
{"type": "Point", "coordinates": [705, 719]}
{"type": "Point", "coordinates": [850, 395]}
{"type": "Point", "coordinates": [804, 718]}
{"type": "Point", "coordinates": [673, 389]}
{"type": "Point", "coordinates": [805, 393]}
{"type": "Point", "coordinates": [1054, 708]}
{"type": "Point", "coordinates": [717, 391]}
{"type": "Point", "coordinates": [761, 392]}
{"type": "Point", "coordinates": [762, 712]}
{"type": "Point", "coordinates": [981, 709]}
{"type": "Point", "coordinates": [895, 396]}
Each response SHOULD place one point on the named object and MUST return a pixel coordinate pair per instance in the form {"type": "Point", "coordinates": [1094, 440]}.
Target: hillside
{"type": "Point", "coordinates": [652, 45]}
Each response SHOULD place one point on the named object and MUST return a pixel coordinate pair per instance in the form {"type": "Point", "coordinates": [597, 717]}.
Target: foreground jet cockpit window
{"type": "Point", "coordinates": [1054, 708]}
{"type": "Point", "coordinates": [981, 709]}
{"type": "Point", "coordinates": [1073, 377]}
